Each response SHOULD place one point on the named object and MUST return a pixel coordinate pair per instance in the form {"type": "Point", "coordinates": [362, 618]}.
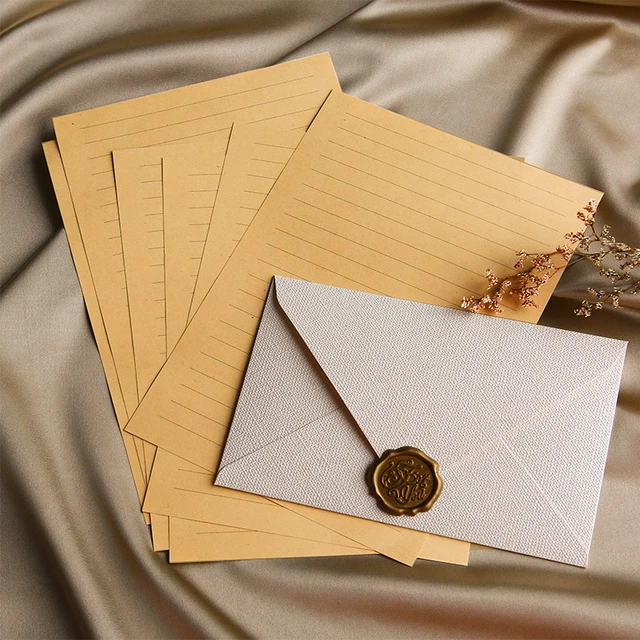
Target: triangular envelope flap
{"type": "Point", "coordinates": [281, 389]}
{"type": "Point", "coordinates": [447, 381]}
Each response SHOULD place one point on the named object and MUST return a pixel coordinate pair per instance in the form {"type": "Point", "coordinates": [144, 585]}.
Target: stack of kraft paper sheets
{"type": "Point", "coordinates": [180, 207]}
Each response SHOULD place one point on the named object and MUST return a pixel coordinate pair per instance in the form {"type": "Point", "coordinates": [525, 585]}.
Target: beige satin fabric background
{"type": "Point", "coordinates": [556, 83]}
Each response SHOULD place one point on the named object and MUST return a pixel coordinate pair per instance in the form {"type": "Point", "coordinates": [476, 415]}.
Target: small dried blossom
{"type": "Point", "coordinates": [616, 261]}
{"type": "Point", "coordinates": [525, 285]}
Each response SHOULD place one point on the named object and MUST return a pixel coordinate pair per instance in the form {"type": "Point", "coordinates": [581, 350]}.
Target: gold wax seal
{"type": "Point", "coordinates": [405, 481]}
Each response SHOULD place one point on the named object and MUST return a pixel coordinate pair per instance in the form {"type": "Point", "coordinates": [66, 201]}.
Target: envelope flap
{"type": "Point", "coordinates": [444, 380]}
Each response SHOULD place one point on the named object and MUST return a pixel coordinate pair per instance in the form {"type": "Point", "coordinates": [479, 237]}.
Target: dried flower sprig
{"type": "Point", "coordinates": [525, 285]}
{"type": "Point", "coordinates": [604, 252]}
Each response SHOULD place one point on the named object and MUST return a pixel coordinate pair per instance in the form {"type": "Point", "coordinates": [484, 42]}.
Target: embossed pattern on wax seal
{"type": "Point", "coordinates": [405, 481]}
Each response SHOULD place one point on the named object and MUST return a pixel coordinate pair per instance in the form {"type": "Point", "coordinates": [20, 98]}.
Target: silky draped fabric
{"type": "Point", "coordinates": [557, 83]}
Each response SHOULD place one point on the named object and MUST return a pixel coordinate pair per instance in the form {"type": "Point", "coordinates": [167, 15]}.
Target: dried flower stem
{"type": "Point", "coordinates": [525, 285]}
{"type": "Point", "coordinates": [612, 252]}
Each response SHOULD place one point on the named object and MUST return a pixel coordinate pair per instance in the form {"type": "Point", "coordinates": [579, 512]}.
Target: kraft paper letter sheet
{"type": "Point", "coordinates": [133, 445]}
{"type": "Point", "coordinates": [190, 182]}
{"type": "Point", "coordinates": [201, 542]}
{"type": "Point", "coordinates": [286, 95]}
{"type": "Point", "coordinates": [254, 161]}
{"type": "Point", "coordinates": [182, 490]}
{"type": "Point", "coordinates": [520, 433]}
{"type": "Point", "coordinates": [242, 166]}
{"type": "Point", "coordinates": [422, 219]}
{"type": "Point", "coordinates": [370, 200]}
{"type": "Point", "coordinates": [140, 193]}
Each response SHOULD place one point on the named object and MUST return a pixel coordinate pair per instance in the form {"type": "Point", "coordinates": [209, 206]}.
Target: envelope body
{"type": "Point", "coordinates": [518, 416]}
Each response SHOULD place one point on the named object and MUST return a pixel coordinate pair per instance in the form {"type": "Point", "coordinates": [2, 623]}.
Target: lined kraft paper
{"type": "Point", "coordinates": [133, 445]}
{"type": "Point", "coordinates": [190, 178]}
{"type": "Point", "coordinates": [182, 490]}
{"type": "Point", "coordinates": [287, 95]}
{"type": "Point", "coordinates": [145, 238]}
{"type": "Point", "coordinates": [372, 201]}
{"type": "Point", "coordinates": [254, 161]}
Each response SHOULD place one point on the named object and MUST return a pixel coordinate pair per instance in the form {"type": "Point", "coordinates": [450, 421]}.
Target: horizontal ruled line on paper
{"type": "Point", "coordinates": [195, 433]}
{"type": "Point", "coordinates": [315, 264]}
{"type": "Point", "coordinates": [184, 406]}
{"type": "Point", "coordinates": [277, 146]}
{"type": "Point", "coordinates": [206, 375]}
{"type": "Point", "coordinates": [258, 278]}
{"type": "Point", "coordinates": [205, 395]}
{"type": "Point", "coordinates": [443, 168]}
{"type": "Point", "coordinates": [193, 135]}
{"type": "Point", "coordinates": [253, 295]}
{"type": "Point", "coordinates": [233, 326]}
{"type": "Point", "coordinates": [217, 497]}
{"type": "Point", "coordinates": [279, 268]}
{"type": "Point", "coordinates": [278, 162]}
{"type": "Point", "coordinates": [251, 314]}
{"type": "Point", "coordinates": [289, 113]}
{"type": "Point", "coordinates": [208, 115]}
{"type": "Point", "coordinates": [199, 473]}
{"type": "Point", "coordinates": [204, 353]}
{"type": "Point", "coordinates": [426, 144]}
{"type": "Point", "coordinates": [228, 344]}
{"type": "Point", "coordinates": [191, 104]}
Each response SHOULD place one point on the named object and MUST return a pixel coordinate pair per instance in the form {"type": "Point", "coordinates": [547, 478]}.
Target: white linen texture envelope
{"type": "Point", "coordinates": [518, 416]}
